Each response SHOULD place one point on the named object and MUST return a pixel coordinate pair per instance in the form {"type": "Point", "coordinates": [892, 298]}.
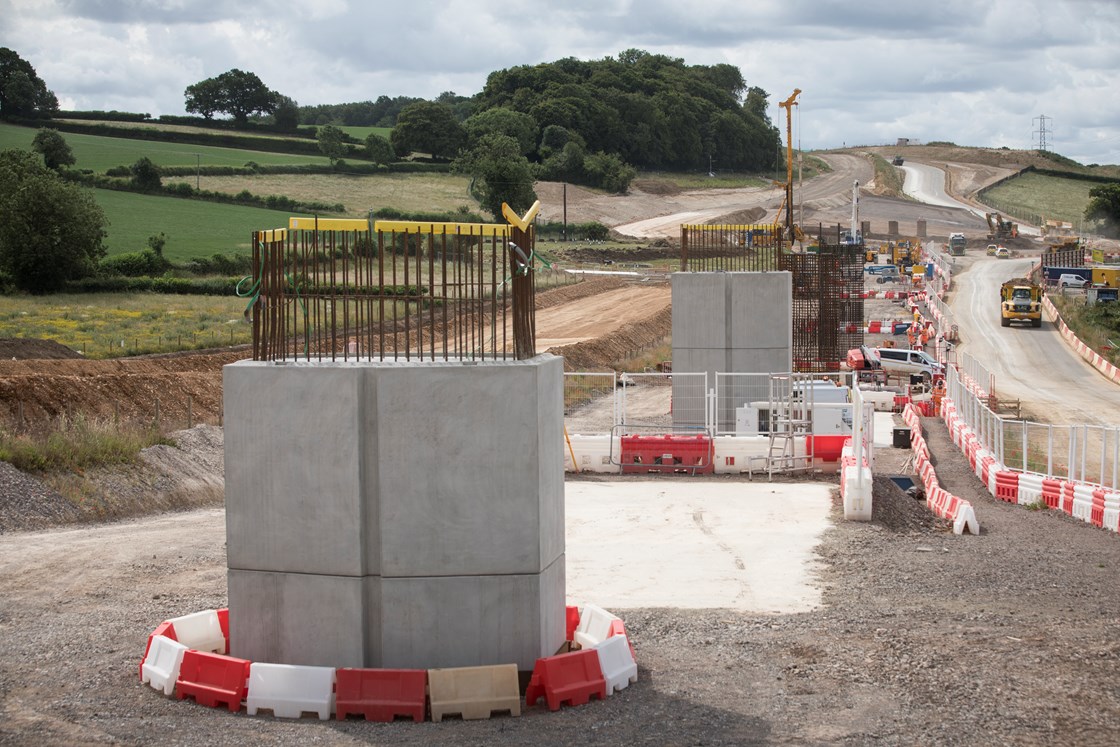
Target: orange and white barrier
{"type": "Point", "coordinates": [940, 501]}
{"type": "Point", "coordinates": [1094, 359]}
{"type": "Point", "coordinates": [290, 691]}
{"type": "Point", "coordinates": [1091, 503]}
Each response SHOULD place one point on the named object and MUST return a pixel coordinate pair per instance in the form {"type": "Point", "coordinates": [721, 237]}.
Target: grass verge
{"type": "Point", "coordinates": [100, 153]}
{"type": "Point", "coordinates": [888, 177]}
{"type": "Point", "coordinates": [77, 444]}
{"type": "Point", "coordinates": [110, 325]}
{"type": "Point", "coordinates": [1052, 197]}
{"type": "Point", "coordinates": [194, 228]}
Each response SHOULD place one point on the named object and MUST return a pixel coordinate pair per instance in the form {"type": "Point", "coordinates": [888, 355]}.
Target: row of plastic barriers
{"type": "Point", "coordinates": [1092, 504]}
{"type": "Point", "coordinates": [188, 657]}
{"type": "Point", "coordinates": [939, 500]}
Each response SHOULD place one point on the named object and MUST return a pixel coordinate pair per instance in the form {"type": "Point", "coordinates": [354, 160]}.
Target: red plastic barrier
{"type": "Point", "coordinates": [567, 678]}
{"type": "Point", "coordinates": [874, 327]}
{"type": "Point", "coordinates": [827, 448]}
{"type": "Point", "coordinates": [1051, 492]}
{"type": "Point", "coordinates": [1067, 497]}
{"type": "Point", "coordinates": [381, 694]}
{"type": "Point", "coordinates": [619, 628]}
{"type": "Point", "coordinates": [985, 468]}
{"type": "Point", "coordinates": [571, 622]}
{"type": "Point", "coordinates": [1096, 516]}
{"type": "Point", "coordinates": [213, 679]}
{"type": "Point", "coordinates": [669, 453]}
{"type": "Point", "coordinates": [165, 629]}
{"type": "Point", "coordinates": [1007, 486]}
{"type": "Point", "coordinates": [223, 621]}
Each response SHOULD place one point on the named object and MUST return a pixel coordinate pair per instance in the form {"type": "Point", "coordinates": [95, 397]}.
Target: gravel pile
{"type": "Point", "coordinates": [26, 503]}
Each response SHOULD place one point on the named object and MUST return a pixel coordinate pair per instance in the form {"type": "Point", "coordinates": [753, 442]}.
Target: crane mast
{"type": "Point", "coordinates": [788, 105]}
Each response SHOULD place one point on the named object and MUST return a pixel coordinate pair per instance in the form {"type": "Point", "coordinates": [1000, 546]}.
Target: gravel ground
{"type": "Point", "coordinates": [924, 638]}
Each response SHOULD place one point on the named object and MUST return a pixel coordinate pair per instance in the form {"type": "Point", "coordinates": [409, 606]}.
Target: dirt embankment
{"type": "Point", "coordinates": [184, 389]}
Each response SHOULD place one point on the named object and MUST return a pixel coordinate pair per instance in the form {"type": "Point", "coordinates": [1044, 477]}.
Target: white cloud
{"type": "Point", "coordinates": [871, 72]}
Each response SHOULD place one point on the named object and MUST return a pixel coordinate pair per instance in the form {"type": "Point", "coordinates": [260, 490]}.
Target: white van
{"type": "Point", "coordinates": [912, 362]}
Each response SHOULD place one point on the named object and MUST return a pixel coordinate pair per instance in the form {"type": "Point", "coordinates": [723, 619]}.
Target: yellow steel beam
{"type": "Point", "coordinates": [465, 229]}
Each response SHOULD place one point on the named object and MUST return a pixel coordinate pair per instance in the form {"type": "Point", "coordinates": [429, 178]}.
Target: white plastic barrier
{"type": "Point", "coordinates": [161, 666]}
{"type": "Point", "coordinates": [1083, 502]}
{"type": "Point", "coordinates": [734, 454]}
{"type": "Point", "coordinates": [1030, 488]}
{"type": "Point", "coordinates": [594, 626]}
{"type": "Point", "coordinates": [592, 453]}
{"type": "Point", "coordinates": [617, 663]}
{"type": "Point", "coordinates": [201, 631]}
{"type": "Point", "coordinates": [1112, 511]}
{"type": "Point", "coordinates": [857, 501]}
{"type": "Point", "coordinates": [289, 690]}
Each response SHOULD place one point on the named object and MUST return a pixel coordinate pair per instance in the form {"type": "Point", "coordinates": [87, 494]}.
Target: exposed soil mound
{"type": "Point", "coordinates": [655, 186]}
{"type": "Point", "coordinates": [18, 348]}
{"type": "Point", "coordinates": [740, 217]}
{"type": "Point", "coordinates": [898, 511]}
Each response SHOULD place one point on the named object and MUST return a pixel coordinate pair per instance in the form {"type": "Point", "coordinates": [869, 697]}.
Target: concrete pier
{"type": "Point", "coordinates": [392, 514]}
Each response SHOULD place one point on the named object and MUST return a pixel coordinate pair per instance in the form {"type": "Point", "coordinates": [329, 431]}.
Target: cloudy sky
{"type": "Point", "coordinates": [871, 71]}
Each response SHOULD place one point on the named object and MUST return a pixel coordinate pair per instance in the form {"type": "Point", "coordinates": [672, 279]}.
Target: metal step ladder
{"type": "Point", "coordinates": [791, 417]}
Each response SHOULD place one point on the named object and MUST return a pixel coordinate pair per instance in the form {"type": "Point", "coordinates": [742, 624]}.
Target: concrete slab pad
{"type": "Point", "coordinates": [701, 544]}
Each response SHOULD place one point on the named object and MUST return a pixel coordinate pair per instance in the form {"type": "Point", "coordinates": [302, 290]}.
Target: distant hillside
{"type": "Point", "coordinates": [1000, 157]}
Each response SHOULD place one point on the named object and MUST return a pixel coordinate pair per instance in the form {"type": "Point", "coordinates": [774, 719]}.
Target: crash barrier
{"type": "Point", "coordinates": [617, 662]}
{"type": "Point", "coordinates": [1092, 357]}
{"type": "Point", "coordinates": [605, 658]}
{"type": "Point", "coordinates": [855, 485]}
{"type": "Point", "coordinates": [1094, 504]}
{"type": "Point", "coordinates": [940, 501]}
{"type": "Point", "coordinates": [381, 694]}
{"type": "Point", "coordinates": [201, 631]}
{"type": "Point", "coordinates": [729, 454]}
{"type": "Point", "coordinates": [666, 453]}
{"type": "Point", "coordinates": [160, 667]}
{"type": "Point", "coordinates": [572, 678]}
{"type": "Point", "coordinates": [1077, 453]}
{"type": "Point", "coordinates": [473, 692]}
{"type": "Point", "coordinates": [213, 679]}
{"type": "Point", "coordinates": [289, 690]}
{"type": "Point", "coordinates": [568, 678]}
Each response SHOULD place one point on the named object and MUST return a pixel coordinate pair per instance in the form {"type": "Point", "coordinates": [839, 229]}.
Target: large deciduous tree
{"type": "Point", "coordinates": [54, 149]}
{"type": "Point", "coordinates": [501, 174]}
{"type": "Point", "coordinates": [22, 92]}
{"type": "Point", "coordinates": [332, 143]}
{"type": "Point", "coordinates": [1104, 206]}
{"type": "Point", "coordinates": [502, 121]}
{"type": "Point", "coordinates": [379, 149]}
{"type": "Point", "coordinates": [235, 92]}
{"type": "Point", "coordinates": [52, 230]}
{"type": "Point", "coordinates": [427, 127]}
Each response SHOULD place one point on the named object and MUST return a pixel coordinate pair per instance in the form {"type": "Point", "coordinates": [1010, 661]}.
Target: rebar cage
{"type": "Point", "coordinates": [827, 312]}
{"type": "Point", "coordinates": [330, 289]}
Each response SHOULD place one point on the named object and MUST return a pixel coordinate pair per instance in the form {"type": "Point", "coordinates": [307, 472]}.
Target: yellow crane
{"type": "Point", "coordinates": [792, 231]}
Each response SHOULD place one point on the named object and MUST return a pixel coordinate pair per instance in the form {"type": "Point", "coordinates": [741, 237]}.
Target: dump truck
{"type": "Point", "coordinates": [1020, 301]}
{"type": "Point", "coordinates": [957, 244]}
{"type": "Point", "coordinates": [1106, 277]}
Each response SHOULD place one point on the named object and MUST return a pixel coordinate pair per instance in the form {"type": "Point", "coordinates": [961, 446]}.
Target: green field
{"type": "Point", "coordinates": [361, 133]}
{"type": "Point", "coordinates": [194, 228]}
{"type": "Point", "coordinates": [110, 325]}
{"type": "Point", "coordinates": [1052, 197]}
{"type": "Point", "coordinates": [99, 153]}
